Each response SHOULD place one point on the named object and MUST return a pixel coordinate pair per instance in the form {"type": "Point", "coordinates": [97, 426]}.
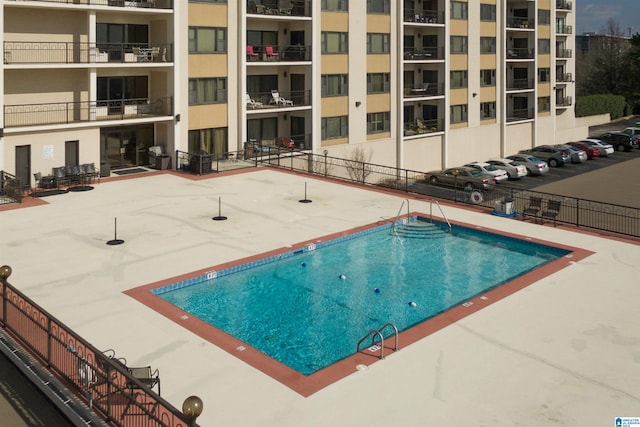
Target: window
{"type": "Point", "coordinates": [544, 103]}
{"type": "Point", "coordinates": [209, 1]}
{"type": "Point", "coordinates": [378, 122]}
{"type": "Point", "coordinates": [378, 82]}
{"type": "Point", "coordinates": [458, 79]}
{"type": "Point", "coordinates": [378, 43]}
{"type": "Point", "coordinates": [487, 110]}
{"type": "Point", "coordinates": [207, 40]}
{"type": "Point", "coordinates": [332, 42]}
{"type": "Point", "coordinates": [488, 12]}
{"type": "Point", "coordinates": [334, 127]}
{"type": "Point", "coordinates": [544, 17]}
{"type": "Point", "coordinates": [458, 10]}
{"type": "Point", "coordinates": [459, 113]}
{"type": "Point", "coordinates": [544, 75]}
{"type": "Point", "coordinates": [207, 90]}
{"type": "Point", "coordinates": [487, 45]}
{"type": "Point", "coordinates": [487, 77]}
{"type": "Point", "coordinates": [544, 46]}
{"type": "Point", "coordinates": [379, 6]}
{"type": "Point", "coordinates": [335, 5]}
{"type": "Point", "coordinates": [458, 44]}
{"type": "Point", "coordinates": [334, 85]}
{"type": "Point", "coordinates": [213, 140]}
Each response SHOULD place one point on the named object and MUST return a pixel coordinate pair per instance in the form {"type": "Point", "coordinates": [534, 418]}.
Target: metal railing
{"type": "Point", "coordinates": [280, 8]}
{"type": "Point", "coordinates": [564, 5]}
{"type": "Point", "coordinates": [145, 4]}
{"type": "Point", "coordinates": [10, 188]}
{"type": "Point", "coordinates": [30, 52]}
{"type": "Point", "coordinates": [520, 114]}
{"type": "Point", "coordinates": [421, 127]}
{"type": "Point", "coordinates": [423, 16]}
{"type": "Point", "coordinates": [519, 22]}
{"type": "Point", "coordinates": [266, 100]}
{"type": "Point", "coordinates": [516, 84]}
{"type": "Point", "coordinates": [423, 89]}
{"type": "Point", "coordinates": [102, 382]}
{"type": "Point", "coordinates": [520, 53]}
{"type": "Point", "coordinates": [564, 77]}
{"type": "Point", "coordinates": [564, 101]}
{"type": "Point", "coordinates": [283, 53]}
{"type": "Point", "coordinates": [564, 29]}
{"type": "Point", "coordinates": [56, 113]}
{"type": "Point", "coordinates": [564, 53]}
{"type": "Point", "coordinates": [423, 53]}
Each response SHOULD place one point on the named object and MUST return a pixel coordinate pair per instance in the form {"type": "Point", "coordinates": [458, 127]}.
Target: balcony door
{"type": "Point", "coordinates": [118, 39]}
{"type": "Point", "coordinates": [116, 92]}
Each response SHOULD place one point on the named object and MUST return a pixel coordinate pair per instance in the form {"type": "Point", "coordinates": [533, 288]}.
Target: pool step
{"type": "Point", "coordinates": [420, 230]}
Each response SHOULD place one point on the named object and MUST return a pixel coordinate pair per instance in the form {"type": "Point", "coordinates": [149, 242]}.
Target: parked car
{"type": "Point", "coordinates": [553, 156]}
{"type": "Point", "coordinates": [498, 175]}
{"type": "Point", "coordinates": [605, 148]}
{"type": "Point", "coordinates": [534, 165]}
{"type": "Point", "coordinates": [620, 141]}
{"type": "Point", "coordinates": [462, 177]}
{"type": "Point", "coordinates": [632, 130]}
{"type": "Point", "coordinates": [576, 154]}
{"type": "Point", "coordinates": [514, 169]}
{"type": "Point", "coordinates": [590, 150]}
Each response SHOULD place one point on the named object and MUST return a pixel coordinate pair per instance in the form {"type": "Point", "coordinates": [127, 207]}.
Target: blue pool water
{"type": "Point", "coordinates": [309, 308]}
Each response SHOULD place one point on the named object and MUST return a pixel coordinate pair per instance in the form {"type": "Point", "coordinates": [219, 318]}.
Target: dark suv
{"type": "Point", "coordinates": [552, 155]}
{"type": "Point", "coordinates": [620, 141]}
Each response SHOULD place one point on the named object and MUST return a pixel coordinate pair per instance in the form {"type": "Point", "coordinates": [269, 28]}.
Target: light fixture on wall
{"type": "Point", "coordinates": [358, 103]}
{"type": "Point", "coordinates": [177, 118]}
{"type": "Point", "coordinates": [475, 94]}
{"type": "Point", "coordinates": [284, 74]}
{"type": "Point", "coordinates": [284, 117]}
{"type": "Point", "coordinates": [285, 31]}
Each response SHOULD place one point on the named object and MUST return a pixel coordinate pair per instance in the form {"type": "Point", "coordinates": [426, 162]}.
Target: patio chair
{"type": "Point", "coordinates": [552, 211]}
{"type": "Point", "coordinates": [271, 54]}
{"type": "Point", "coordinates": [278, 100]}
{"type": "Point", "coordinates": [533, 208]}
{"type": "Point", "coordinates": [60, 174]}
{"type": "Point", "coordinates": [138, 389]}
{"type": "Point", "coordinates": [251, 54]}
{"type": "Point", "coordinates": [252, 103]}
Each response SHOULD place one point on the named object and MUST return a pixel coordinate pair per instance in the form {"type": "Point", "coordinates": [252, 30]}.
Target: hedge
{"type": "Point", "coordinates": [590, 105]}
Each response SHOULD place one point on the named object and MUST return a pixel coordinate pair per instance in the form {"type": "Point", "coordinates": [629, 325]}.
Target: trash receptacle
{"type": "Point", "coordinates": [163, 162]}
{"type": "Point", "coordinates": [507, 206]}
{"type": "Point", "coordinates": [105, 169]}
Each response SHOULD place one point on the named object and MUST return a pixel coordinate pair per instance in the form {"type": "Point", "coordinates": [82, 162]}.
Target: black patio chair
{"type": "Point", "coordinates": [533, 208]}
{"type": "Point", "coordinates": [551, 211]}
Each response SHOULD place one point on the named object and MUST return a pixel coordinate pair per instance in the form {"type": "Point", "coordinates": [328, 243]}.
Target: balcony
{"type": "Point", "coordinates": [85, 53]}
{"type": "Point", "coordinates": [264, 102]}
{"type": "Point", "coordinates": [564, 29]}
{"type": "Point", "coordinates": [59, 113]}
{"type": "Point", "coordinates": [285, 53]}
{"type": "Point", "coordinates": [564, 78]}
{"type": "Point", "coordinates": [421, 90]}
{"type": "Point", "coordinates": [520, 84]}
{"type": "Point", "coordinates": [144, 4]}
{"type": "Point", "coordinates": [423, 16]}
{"type": "Point", "coordinates": [518, 115]}
{"type": "Point", "coordinates": [564, 101]}
{"type": "Point", "coordinates": [520, 53]}
{"type": "Point", "coordinates": [564, 5]}
{"type": "Point", "coordinates": [427, 53]}
{"type": "Point", "coordinates": [519, 22]}
{"type": "Point", "coordinates": [423, 127]}
{"type": "Point", "coordinates": [279, 8]}
{"type": "Point", "coordinates": [563, 53]}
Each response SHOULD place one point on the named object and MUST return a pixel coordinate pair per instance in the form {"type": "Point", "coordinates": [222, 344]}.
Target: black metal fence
{"type": "Point", "coordinates": [10, 188]}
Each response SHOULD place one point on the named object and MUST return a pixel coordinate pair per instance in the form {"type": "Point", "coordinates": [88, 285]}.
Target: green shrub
{"type": "Point", "coordinates": [615, 105]}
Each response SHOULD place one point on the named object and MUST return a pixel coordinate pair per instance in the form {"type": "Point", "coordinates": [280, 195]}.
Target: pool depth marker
{"type": "Point", "coordinates": [305, 200]}
{"type": "Point", "coordinates": [220, 217]}
{"type": "Point", "coordinates": [115, 240]}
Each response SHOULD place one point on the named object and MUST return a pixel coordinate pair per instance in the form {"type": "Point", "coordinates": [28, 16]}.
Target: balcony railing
{"type": "Point", "coordinates": [520, 22]}
{"type": "Point", "coordinates": [423, 53]}
{"type": "Point", "coordinates": [145, 4]}
{"type": "Point", "coordinates": [564, 29]}
{"type": "Point", "coordinates": [564, 101]}
{"type": "Point", "coordinates": [76, 112]}
{"type": "Point", "coordinates": [279, 7]}
{"type": "Point", "coordinates": [423, 16]}
{"type": "Point", "coordinates": [84, 53]}
{"type": "Point", "coordinates": [285, 53]}
{"type": "Point", "coordinates": [564, 5]}
{"type": "Point", "coordinates": [265, 101]}
{"type": "Point", "coordinates": [563, 53]}
{"type": "Point", "coordinates": [519, 84]}
{"type": "Point", "coordinates": [423, 126]}
{"type": "Point", "coordinates": [520, 114]}
{"type": "Point", "coordinates": [564, 78]}
{"type": "Point", "coordinates": [520, 53]}
{"type": "Point", "coordinates": [423, 89]}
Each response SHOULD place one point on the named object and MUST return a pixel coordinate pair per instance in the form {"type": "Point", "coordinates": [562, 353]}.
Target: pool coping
{"type": "Point", "coordinates": [306, 385]}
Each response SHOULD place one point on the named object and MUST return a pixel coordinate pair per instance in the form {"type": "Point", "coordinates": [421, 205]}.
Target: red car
{"type": "Point", "coordinates": [589, 149]}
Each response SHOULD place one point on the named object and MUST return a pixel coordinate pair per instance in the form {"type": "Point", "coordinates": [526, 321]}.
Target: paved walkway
{"type": "Point", "coordinates": [563, 351]}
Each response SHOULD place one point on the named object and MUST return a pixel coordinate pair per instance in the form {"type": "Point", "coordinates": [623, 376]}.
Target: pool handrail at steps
{"type": "Point", "coordinates": [441, 212]}
{"type": "Point", "coordinates": [399, 212]}
{"type": "Point", "coordinates": [378, 333]}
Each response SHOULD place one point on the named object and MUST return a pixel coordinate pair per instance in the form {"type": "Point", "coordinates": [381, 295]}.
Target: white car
{"type": "Point", "coordinates": [515, 170]}
{"type": "Point", "coordinates": [498, 175]}
{"type": "Point", "coordinates": [605, 148]}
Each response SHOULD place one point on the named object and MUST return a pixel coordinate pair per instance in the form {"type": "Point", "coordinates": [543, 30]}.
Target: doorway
{"type": "Point", "coordinates": [124, 147]}
{"type": "Point", "coordinates": [71, 153]}
{"type": "Point", "coordinates": [23, 165]}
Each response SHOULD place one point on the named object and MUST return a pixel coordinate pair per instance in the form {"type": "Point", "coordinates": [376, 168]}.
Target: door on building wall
{"type": "Point", "coordinates": [297, 90]}
{"type": "Point", "coordinates": [71, 153]}
{"type": "Point", "coordinates": [23, 165]}
{"type": "Point", "coordinates": [126, 146]}
{"type": "Point", "coordinates": [298, 135]}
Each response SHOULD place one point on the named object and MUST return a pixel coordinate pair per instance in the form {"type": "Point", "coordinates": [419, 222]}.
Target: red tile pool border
{"type": "Point", "coordinates": [307, 385]}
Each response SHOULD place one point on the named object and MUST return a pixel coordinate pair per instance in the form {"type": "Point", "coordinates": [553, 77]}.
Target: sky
{"type": "Point", "coordinates": [592, 15]}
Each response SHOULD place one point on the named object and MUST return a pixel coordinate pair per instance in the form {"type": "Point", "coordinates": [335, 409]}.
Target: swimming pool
{"type": "Point", "coordinates": [308, 307]}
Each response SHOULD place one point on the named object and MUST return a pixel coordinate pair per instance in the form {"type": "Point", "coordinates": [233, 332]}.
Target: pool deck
{"type": "Point", "coordinates": [564, 350]}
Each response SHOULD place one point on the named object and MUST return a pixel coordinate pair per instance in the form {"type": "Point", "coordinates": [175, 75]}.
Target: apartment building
{"type": "Point", "coordinates": [418, 84]}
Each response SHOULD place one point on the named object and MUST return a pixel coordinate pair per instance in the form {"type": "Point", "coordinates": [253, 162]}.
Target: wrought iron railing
{"type": "Point", "coordinates": [11, 188]}
{"type": "Point", "coordinates": [101, 381]}
{"type": "Point", "coordinates": [519, 114]}
{"type": "Point", "coordinates": [56, 113]}
{"type": "Point", "coordinates": [564, 101]}
{"type": "Point", "coordinates": [520, 22]}
{"type": "Point", "coordinates": [520, 53]}
{"type": "Point", "coordinates": [283, 53]}
{"type": "Point", "coordinates": [423, 16]}
{"type": "Point", "coordinates": [564, 53]}
{"type": "Point", "coordinates": [281, 8]}
{"type": "Point", "coordinates": [423, 53]}
{"type": "Point", "coordinates": [287, 99]}
{"type": "Point", "coordinates": [145, 4]}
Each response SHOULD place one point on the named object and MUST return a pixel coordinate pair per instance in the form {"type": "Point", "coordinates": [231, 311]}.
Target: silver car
{"type": "Point", "coordinates": [577, 155]}
{"type": "Point", "coordinates": [515, 170]}
{"type": "Point", "coordinates": [534, 165]}
{"type": "Point", "coordinates": [605, 148]}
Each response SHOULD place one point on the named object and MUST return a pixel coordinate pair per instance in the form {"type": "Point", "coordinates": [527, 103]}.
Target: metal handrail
{"type": "Point", "coordinates": [441, 212]}
{"type": "Point", "coordinates": [374, 333]}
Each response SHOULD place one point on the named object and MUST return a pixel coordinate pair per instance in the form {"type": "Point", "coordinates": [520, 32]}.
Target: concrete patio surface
{"type": "Point", "coordinates": [563, 351]}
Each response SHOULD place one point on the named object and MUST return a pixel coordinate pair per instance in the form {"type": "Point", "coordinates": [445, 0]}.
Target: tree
{"type": "Point", "coordinates": [609, 68]}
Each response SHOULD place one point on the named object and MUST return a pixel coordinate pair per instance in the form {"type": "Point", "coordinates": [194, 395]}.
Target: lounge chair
{"type": "Point", "coordinates": [278, 100]}
{"type": "Point", "coordinates": [552, 211]}
{"type": "Point", "coordinates": [252, 103]}
{"type": "Point", "coordinates": [251, 54]}
{"type": "Point", "coordinates": [533, 208]}
{"type": "Point", "coordinates": [271, 54]}
{"type": "Point", "coordinates": [145, 381]}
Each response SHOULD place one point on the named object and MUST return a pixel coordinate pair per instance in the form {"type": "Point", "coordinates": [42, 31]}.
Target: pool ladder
{"type": "Point", "coordinates": [378, 333]}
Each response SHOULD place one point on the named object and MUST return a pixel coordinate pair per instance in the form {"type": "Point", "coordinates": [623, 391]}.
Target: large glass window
{"type": "Point", "coordinates": [488, 12]}
{"type": "Point", "coordinates": [487, 110]}
{"type": "Point", "coordinates": [487, 45]}
{"type": "Point", "coordinates": [207, 40]}
{"type": "Point", "coordinates": [544, 46]}
{"type": "Point", "coordinates": [379, 6]}
{"type": "Point", "coordinates": [459, 113]}
{"type": "Point", "coordinates": [378, 82]}
{"type": "Point", "coordinates": [378, 122]}
{"type": "Point", "coordinates": [459, 10]}
{"type": "Point", "coordinates": [334, 85]}
{"type": "Point", "coordinates": [378, 43]}
{"type": "Point", "coordinates": [334, 42]}
{"type": "Point", "coordinates": [212, 140]}
{"type": "Point", "coordinates": [334, 127]}
{"type": "Point", "coordinates": [458, 44]}
{"type": "Point", "coordinates": [544, 75]}
{"type": "Point", "coordinates": [458, 79]}
{"type": "Point", "coordinates": [488, 77]}
{"type": "Point", "coordinates": [544, 17]}
{"type": "Point", "coordinates": [544, 103]}
{"type": "Point", "coordinates": [335, 5]}
{"type": "Point", "coordinates": [207, 90]}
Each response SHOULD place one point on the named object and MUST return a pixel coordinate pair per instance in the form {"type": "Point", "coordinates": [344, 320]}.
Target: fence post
{"type": "Point", "coordinates": [577, 212]}
{"type": "Point", "coordinates": [363, 172]}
